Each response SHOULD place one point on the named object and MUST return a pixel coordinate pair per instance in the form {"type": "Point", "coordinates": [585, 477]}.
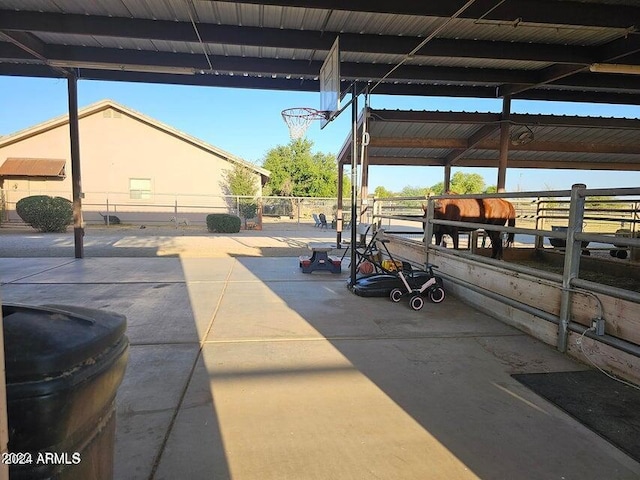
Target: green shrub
{"type": "Point", "coordinates": [223, 223]}
{"type": "Point", "coordinates": [44, 213]}
{"type": "Point", "coordinates": [248, 208]}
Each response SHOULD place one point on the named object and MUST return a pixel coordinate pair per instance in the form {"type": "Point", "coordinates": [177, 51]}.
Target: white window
{"type": "Point", "coordinates": [139, 188]}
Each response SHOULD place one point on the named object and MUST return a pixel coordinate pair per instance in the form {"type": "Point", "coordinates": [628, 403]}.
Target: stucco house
{"type": "Point", "coordinates": [132, 166]}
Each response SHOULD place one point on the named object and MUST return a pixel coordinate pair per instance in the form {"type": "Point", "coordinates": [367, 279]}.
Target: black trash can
{"type": "Point", "coordinates": [63, 367]}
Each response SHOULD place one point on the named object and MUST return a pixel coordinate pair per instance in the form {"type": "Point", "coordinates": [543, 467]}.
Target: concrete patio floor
{"type": "Point", "coordinates": [242, 367]}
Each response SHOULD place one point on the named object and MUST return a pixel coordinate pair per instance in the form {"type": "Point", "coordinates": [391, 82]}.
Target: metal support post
{"type": "Point", "coordinates": [571, 261]}
{"type": "Point", "coordinates": [539, 224]}
{"type": "Point", "coordinates": [76, 183]}
{"type": "Point", "coordinates": [428, 228]}
{"type": "Point", "coordinates": [504, 144]}
{"type": "Point", "coordinates": [340, 206]}
{"type": "Point", "coordinates": [447, 177]}
{"type": "Point", "coordinates": [354, 180]}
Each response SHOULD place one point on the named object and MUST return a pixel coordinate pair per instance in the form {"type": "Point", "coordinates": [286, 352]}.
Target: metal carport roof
{"type": "Point", "coordinates": [534, 49]}
{"type": "Point", "coordinates": [468, 139]}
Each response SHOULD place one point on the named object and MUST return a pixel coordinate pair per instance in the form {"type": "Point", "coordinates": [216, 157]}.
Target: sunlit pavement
{"type": "Point", "coordinates": [243, 367]}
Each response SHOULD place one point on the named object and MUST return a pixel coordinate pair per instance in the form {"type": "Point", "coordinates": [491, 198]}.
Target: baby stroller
{"type": "Point", "coordinates": [416, 284]}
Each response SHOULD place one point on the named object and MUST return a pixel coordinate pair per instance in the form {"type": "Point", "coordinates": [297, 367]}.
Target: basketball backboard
{"type": "Point", "coordinates": [330, 83]}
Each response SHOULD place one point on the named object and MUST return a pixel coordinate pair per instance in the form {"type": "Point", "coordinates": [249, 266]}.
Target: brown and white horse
{"type": "Point", "coordinates": [490, 211]}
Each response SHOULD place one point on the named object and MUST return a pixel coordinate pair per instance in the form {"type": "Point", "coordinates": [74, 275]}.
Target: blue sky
{"type": "Point", "coordinates": [247, 123]}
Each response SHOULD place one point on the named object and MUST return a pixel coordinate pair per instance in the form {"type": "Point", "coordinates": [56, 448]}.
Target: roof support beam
{"type": "Point", "coordinates": [311, 85]}
{"type": "Point", "coordinates": [548, 75]}
{"type": "Point", "coordinates": [493, 163]}
{"type": "Point", "coordinates": [611, 52]}
{"type": "Point", "coordinates": [130, 59]}
{"type": "Point", "coordinates": [283, 38]}
{"type": "Point", "coordinates": [120, 59]}
{"type": "Point", "coordinates": [472, 141]}
{"type": "Point", "coordinates": [494, 118]}
{"type": "Point", "coordinates": [461, 147]}
{"type": "Point", "coordinates": [416, 142]}
{"type": "Point", "coordinates": [559, 164]}
{"type": "Point", "coordinates": [30, 44]}
{"type": "Point", "coordinates": [26, 42]}
{"type": "Point", "coordinates": [619, 49]}
{"type": "Point", "coordinates": [513, 12]}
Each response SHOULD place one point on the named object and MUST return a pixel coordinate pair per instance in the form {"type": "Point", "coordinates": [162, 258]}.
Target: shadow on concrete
{"type": "Point", "coordinates": [169, 308]}
{"type": "Point", "coordinates": [447, 367]}
{"type": "Point", "coordinates": [243, 367]}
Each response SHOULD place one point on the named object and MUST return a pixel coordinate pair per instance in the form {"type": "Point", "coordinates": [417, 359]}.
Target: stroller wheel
{"type": "Point", "coordinates": [416, 302]}
{"type": "Point", "coordinates": [395, 295]}
{"type": "Point", "coordinates": [437, 295]}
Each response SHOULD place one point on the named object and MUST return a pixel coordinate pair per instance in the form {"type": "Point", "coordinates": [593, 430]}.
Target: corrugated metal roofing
{"type": "Point", "coordinates": [32, 167]}
{"type": "Point", "coordinates": [491, 49]}
{"type": "Point", "coordinates": [435, 138]}
{"type": "Point", "coordinates": [530, 33]}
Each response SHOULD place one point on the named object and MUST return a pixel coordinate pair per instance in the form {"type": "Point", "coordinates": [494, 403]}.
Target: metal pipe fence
{"type": "Point", "coordinates": [560, 215]}
{"type": "Point", "coordinates": [183, 208]}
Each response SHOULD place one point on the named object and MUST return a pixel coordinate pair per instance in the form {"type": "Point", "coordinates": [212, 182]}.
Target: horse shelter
{"type": "Point", "coordinates": [552, 50]}
{"type": "Point", "coordinates": [547, 306]}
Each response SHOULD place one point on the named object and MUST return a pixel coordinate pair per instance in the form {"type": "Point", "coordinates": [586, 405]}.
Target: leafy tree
{"type": "Point", "coordinates": [381, 192]}
{"type": "Point", "coordinates": [462, 183]}
{"type": "Point", "coordinates": [491, 189]}
{"type": "Point", "coordinates": [467, 183]}
{"type": "Point", "coordinates": [242, 181]}
{"type": "Point", "coordinates": [295, 171]}
{"type": "Point", "coordinates": [438, 188]}
{"type": "Point", "coordinates": [410, 191]}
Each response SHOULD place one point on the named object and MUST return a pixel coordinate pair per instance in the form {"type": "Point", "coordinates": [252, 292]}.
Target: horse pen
{"type": "Point", "coordinates": [582, 300]}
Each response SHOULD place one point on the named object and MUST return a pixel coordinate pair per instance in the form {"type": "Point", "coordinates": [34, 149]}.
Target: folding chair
{"type": "Point", "coordinates": [323, 220]}
{"type": "Point", "coordinates": [361, 238]}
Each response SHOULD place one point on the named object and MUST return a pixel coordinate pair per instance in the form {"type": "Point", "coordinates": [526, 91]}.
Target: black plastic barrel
{"type": "Point", "coordinates": [63, 368]}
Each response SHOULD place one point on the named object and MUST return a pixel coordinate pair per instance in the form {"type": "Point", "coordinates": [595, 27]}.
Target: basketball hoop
{"type": "Point", "coordinates": [298, 120]}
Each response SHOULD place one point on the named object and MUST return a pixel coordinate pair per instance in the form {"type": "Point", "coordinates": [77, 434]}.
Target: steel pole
{"type": "Point", "coordinates": [76, 183]}
{"type": "Point", "coordinates": [571, 261]}
{"type": "Point", "coordinates": [504, 144]}
{"type": "Point", "coordinates": [340, 206]}
{"type": "Point", "coordinates": [354, 186]}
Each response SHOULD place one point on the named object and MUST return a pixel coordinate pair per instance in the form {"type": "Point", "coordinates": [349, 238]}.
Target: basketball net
{"type": "Point", "coordinates": [298, 120]}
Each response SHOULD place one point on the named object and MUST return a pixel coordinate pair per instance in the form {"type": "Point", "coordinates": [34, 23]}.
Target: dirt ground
{"type": "Point", "coordinates": [607, 274]}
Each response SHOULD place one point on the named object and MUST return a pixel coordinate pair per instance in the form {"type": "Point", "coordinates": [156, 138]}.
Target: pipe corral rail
{"type": "Point", "coordinates": [586, 308]}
